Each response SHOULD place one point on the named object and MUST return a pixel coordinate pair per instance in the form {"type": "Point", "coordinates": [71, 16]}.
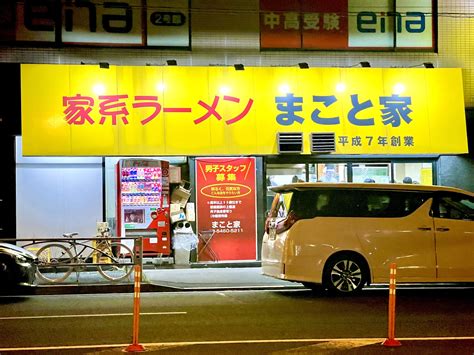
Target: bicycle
{"type": "Point", "coordinates": [57, 261]}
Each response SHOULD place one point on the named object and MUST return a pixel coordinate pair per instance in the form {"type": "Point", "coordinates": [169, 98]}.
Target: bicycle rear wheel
{"type": "Point", "coordinates": [117, 254]}
{"type": "Point", "coordinates": [52, 263]}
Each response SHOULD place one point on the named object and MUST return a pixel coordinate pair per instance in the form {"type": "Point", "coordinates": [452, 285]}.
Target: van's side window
{"type": "Point", "coordinates": [355, 203]}
{"type": "Point", "coordinates": [313, 203]}
{"type": "Point", "coordinates": [377, 203]}
{"type": "Point", "coordinates": [454, 206]}
{"type": "Point", "coordinates": [304, 203]}
{"type": "Point", "coordinates": [322, 202]}
{"type": "Point", "coordinates": [341, 203]}
{"type": "Point", "coordinates": [394, 203]}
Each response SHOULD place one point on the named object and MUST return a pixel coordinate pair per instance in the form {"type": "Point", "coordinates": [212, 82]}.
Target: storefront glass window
{"type": "Point", "coordinates": [373, 172]}
{"type": "Point", "coordinates": [415, 173]}
{"type": "Point", "coordinates": [280, 174]}
{"type": "Point", "coordinates": [328, 172]}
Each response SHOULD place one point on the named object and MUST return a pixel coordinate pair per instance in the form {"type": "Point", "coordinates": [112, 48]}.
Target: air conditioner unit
{"type": "Point", "coordinates": [290, 142]}
{"type": "Point", "coordinates": [323, 142]}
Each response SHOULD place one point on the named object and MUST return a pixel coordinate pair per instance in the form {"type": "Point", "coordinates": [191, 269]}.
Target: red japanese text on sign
{"type": "Point", "coordinates": [79, 109]}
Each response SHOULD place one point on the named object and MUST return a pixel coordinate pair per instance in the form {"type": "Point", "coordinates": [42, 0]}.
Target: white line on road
{"type": "Point", "coordinates": [93, 315]}
{"type": "Point", "coordinates": [221, 342]}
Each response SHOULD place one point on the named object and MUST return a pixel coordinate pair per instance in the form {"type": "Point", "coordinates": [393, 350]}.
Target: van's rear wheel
{"type": "Point", "coordinates": [345, 274]}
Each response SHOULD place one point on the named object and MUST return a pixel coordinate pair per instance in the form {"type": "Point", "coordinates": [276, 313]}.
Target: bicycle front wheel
{"type": "Point", "coordinates": [53, 260]}
{"type": "Point", "coordinates": [115, 258]}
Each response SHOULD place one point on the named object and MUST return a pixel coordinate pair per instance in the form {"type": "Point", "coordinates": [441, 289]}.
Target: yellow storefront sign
{"type": "Point", "coordinates": [83, 110]}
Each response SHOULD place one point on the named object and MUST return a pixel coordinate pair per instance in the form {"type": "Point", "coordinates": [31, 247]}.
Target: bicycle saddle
{"type": "Point", "coordinates": [69, 235]}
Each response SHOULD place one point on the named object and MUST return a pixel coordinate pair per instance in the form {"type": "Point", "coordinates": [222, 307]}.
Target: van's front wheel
{"type": "Point", "coordinates": [345, 274]}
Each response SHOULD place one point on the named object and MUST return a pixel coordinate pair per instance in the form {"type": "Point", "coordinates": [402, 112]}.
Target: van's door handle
{"type": "Point", "coordinates": [442, 229]}
{"type": "Point", "coordinates": [424, 228]}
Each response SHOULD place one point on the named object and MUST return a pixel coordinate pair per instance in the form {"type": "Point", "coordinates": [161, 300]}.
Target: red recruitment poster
{"type": "Point", "coordinates": [226, 204]}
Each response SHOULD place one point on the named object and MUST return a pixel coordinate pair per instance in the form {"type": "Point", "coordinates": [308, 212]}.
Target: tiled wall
{"type": "Point", "coordinates": [456, 41]}
{"type": "Point", "coordinates": [227, 32]}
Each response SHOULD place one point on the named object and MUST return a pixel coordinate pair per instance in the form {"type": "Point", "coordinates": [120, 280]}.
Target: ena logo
{"type": "Point", "coordinates": [411, 22]}
{"type": "Point", "coordinates": [42, 15]}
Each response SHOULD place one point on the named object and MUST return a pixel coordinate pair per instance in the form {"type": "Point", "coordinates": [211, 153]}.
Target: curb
{"type": "Point", "coordinates": [95, 289]}
{"type": "Point", "coordinates": [128, 288]}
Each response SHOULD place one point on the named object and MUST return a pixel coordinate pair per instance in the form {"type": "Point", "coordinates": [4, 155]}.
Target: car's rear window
{"type": "Point", "coordinates": [281, 204]}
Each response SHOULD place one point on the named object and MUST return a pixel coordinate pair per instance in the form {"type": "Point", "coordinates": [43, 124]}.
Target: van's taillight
{"type": "Point", "coordinates": [286, 224]}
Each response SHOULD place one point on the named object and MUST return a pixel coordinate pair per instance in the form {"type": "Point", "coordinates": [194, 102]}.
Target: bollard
{"type": "Point", "coordinates": [135, 346]}
{"type": "Point", "coordinates": [391, 341]}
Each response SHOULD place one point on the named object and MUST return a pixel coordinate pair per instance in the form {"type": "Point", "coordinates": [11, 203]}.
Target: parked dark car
{"type": "Point", "coordinates": [17, 267]}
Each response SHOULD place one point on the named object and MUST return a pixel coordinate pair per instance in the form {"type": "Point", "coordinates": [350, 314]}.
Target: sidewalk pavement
{"type": "Point", "coordinates": [216, 278]}
{"type": "Point", "coordinates": [170, 280]}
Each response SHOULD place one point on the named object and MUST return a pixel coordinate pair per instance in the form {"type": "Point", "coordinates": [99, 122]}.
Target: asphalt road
{"type": "Point", "coordinates": [232, 322]}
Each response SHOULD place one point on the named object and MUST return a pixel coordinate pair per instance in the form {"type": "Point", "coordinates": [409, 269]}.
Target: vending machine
{"type": "Point", "coordinates": [143, 203]}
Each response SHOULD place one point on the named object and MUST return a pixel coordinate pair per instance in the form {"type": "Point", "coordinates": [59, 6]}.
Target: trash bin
{"type": "Point", "coordinates": [183, 243]}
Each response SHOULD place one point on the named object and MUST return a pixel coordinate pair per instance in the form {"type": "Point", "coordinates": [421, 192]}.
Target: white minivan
{"type": "Point", "coordinates": [344, 236]}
